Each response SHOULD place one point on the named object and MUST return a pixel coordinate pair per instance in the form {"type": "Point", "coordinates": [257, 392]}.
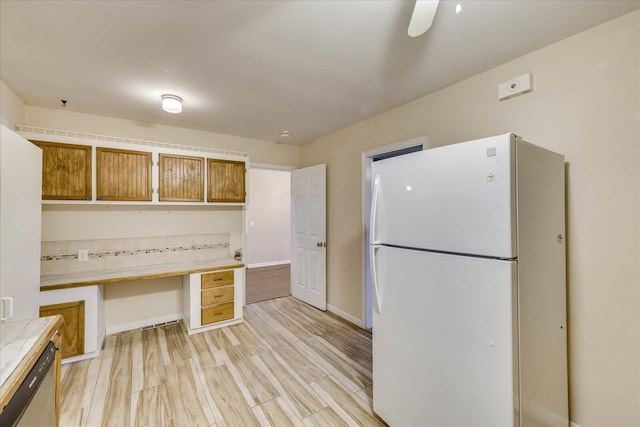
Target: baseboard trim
{"type": "Point", "coordinates": [269, 264]}
{"type": "Point", "coordinates": [101, 338]}
{"type": "Point", "coordinates": [81, 357]}
{"type": "Point", "coordinates": [572, 424]}
{"type": "Point", "coordinates": [114, 329]}
{"type": "Point", "coordinates": [346, 316]}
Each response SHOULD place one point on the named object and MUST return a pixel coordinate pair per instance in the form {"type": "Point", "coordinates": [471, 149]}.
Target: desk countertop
{"type": "Point", "coordinates": [72, 280]}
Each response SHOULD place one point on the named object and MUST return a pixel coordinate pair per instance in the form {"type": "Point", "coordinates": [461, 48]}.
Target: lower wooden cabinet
{"type": "Point", "coordinates": [212, 300]}
{"type": "Point", "coordinates": [72, 326]}
{"type": "Point", "coordinates": [82, 310]}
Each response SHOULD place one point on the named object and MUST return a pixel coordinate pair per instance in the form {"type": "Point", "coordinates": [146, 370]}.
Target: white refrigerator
{"type": "Point", "coordinates": [20, 224]}
{"type": "Point", "coordinates": [467, 247]}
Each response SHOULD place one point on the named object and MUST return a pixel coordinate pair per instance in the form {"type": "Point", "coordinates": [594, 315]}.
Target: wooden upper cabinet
{"type": "Point", "coordinates": [123, 174]}
{"type": "Point", "coordinates": [181, 178]}
{"type": "Point", "coordinates": [225, 179]}
{"type": "Point", "coordinates": [66, 171]}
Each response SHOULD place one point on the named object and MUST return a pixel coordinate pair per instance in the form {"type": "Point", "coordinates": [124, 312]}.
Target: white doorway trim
{"type": "Point", "coordinates": [255, 165]}
{"type": "Point", "coordinates": [367, 161]}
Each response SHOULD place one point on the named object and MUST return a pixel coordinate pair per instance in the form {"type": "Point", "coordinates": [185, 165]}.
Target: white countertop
{"type": "Point", "coordinates": [17, 340]}
{"type": "Point", "coordinates": [134, 273]}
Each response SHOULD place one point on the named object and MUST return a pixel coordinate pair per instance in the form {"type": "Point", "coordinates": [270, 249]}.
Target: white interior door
{"type": "Point", "coordinates": [309, 235]}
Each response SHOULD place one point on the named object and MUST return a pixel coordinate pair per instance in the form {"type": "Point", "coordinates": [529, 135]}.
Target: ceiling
{"type": "Point", "coordinates": [255, 68]}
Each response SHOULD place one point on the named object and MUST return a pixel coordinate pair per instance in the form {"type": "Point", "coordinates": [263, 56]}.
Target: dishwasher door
{"type": "Point", "coordinates": [34, 403]}
{"type": "Point", "coordinates": [41, 411]}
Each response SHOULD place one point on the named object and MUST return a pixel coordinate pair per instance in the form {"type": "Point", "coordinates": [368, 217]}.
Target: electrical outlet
{"type": "Point", "coordinates": [83, 255]}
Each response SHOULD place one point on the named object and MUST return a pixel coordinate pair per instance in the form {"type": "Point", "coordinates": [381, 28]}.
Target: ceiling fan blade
{"type": "Point", "coordinates": [422, 18]}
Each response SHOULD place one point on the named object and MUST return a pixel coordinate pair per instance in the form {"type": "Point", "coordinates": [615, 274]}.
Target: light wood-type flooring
{"type": "Point", "coordinates": [288, 364]}
{"type": "Point", "coordinates": [265, 283]}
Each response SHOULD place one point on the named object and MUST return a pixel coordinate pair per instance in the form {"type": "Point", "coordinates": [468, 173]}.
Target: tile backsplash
{"type": "Point", "coordinates": [61, 257]}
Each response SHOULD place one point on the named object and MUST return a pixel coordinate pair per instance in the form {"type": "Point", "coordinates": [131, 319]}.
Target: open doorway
{"type": "Point", "coordinates": [368, 158]}
{"type": "Point", "coordinates": [268, 230]}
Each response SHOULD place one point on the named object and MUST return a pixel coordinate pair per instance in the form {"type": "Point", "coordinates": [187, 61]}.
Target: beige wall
{"type": "Point", "coordinates": [586, 106]}
{"type": "Point", "coordinates": [11, 107]}
{"type": "Point", "coordinates": [269, 239]}
{"type": "Point", "coordinates": [132, 302]}
{"type": "Point", "coordinates": [259, 151]}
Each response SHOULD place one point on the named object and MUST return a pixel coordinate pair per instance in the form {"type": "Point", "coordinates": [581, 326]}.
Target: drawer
{"type": "Point", "coordinates": [217, 295]}
{"type": "Point", "coordinates": [217, 313]}
{"type": "Point", "coordinates": [218, 278]}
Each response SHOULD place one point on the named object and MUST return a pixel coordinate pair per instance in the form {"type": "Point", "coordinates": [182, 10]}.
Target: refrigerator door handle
{"type": "Point", "coordinates": [10, 310]}
{"type": "Point", "coordinates": [377, 304]}
{"type": "Point", "coordinates": [374, 211]}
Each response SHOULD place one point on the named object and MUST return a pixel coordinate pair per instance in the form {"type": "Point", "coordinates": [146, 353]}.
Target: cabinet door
{"type": "Point", "coordinates": [66, 171]}
{"type": "Point", "coordinates": [123, 174]}
{"type": "Point", "coordinates": [72, 325]}
{"type": "Point", "coordinates": [181, 178]}
{"type": "Point", "coordinates": [225, 181]}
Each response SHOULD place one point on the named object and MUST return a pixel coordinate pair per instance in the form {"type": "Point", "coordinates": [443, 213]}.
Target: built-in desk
{"type": "Point", "coordinates": [73, 280]}
{"type": "Point", "coordinates": [82, 295]}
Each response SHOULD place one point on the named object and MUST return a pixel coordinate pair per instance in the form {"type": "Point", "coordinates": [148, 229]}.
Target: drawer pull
{"type": "Point", "coordinates": [219, 313]}
{"type": "Point", "coordinates": [218, 296]}
{"type": "Point", "coordinates": [219, 279]}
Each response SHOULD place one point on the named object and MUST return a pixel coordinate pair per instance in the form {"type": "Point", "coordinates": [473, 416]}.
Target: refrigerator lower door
{"type": "Point", "coordinates": [445, 340]}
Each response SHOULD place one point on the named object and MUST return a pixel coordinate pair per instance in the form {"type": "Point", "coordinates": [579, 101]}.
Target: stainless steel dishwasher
{"type": "Point", "coordinates": [34, 403]}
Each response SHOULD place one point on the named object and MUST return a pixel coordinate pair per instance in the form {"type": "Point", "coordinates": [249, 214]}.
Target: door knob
{"type": "Point", "coordinates": [321, 244]}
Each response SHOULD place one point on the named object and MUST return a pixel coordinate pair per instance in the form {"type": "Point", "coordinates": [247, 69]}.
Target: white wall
{"type": "Point", "coordinates": [269, 238]}
{"type": "Point", "coordinates": [11, 107]}
{"type": "Point", "coordinates": [586, 105]}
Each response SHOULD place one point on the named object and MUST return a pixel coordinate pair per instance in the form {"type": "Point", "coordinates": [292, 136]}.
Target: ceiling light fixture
{"type": "Point", "coordinates": [285, 135]}
{"type": "Point", "coordinates": [458, 9]}
{"type": "Point", "coordinates": [172, 104]}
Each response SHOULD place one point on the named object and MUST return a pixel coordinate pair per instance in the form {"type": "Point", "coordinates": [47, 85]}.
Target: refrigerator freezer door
{"type": "Point", "coordinates": [444, 349]}
{"type": "Point", "coordinates": [20, 224]}
{"type": "Point", "coordinates": [457, 198]}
